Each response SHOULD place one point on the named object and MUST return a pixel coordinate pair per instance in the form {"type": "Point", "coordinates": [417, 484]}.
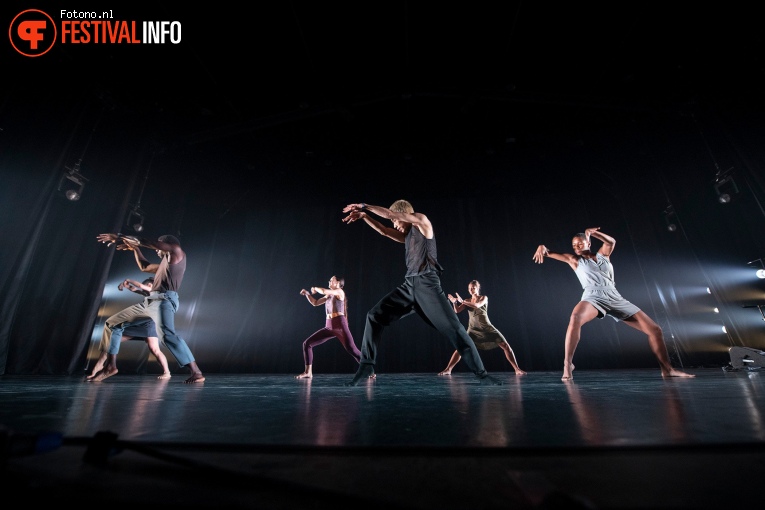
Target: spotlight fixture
{"type": "Point", "coordinates": [725, 186]}
{"type": "Point", "coordinates": [760, 273]}
{"type": "Point", "coordinates": [135, 218]}
{"type": "Point", "coordinates": [670, 218]}
{"type": "Point", "coordinates": [746, 357]}
{"type": "Point", "coordinates": [136, 215]}
{"type": "Point", "coordinates": [72, 182]}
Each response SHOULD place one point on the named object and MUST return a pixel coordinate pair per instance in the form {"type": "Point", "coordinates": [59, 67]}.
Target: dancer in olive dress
{"type": "Point", "coordinates": [480, 328]}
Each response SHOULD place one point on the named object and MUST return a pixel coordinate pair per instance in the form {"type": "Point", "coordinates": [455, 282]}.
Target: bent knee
{"type": "Point", "coordinates": [654, 330]}
{"type": "Point", "coordinates": [577, 319]}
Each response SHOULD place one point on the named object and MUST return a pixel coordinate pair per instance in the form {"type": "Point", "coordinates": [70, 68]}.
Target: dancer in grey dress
{"type": "Point", "coordinates": [480, 328]}
{"type": "Point", "coordinates": [600, 298]}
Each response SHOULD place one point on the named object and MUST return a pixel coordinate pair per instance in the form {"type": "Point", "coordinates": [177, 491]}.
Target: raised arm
{"type": "Point", "coordinates": [478, 304]}
{"type": "Point", "coordinates": [144, 265]}
{"type": "Point", "coordinates": [457, 302]}
{"type": "Point", "coordinates": [542, 252]}
{"type": "Point", "coordinates": [311, 299]}
{"type": "Point", "coordinates": [359, 212]}
{"type": "Point", "coordinates": [326, 291]}
{"type": "Point", "coordinates": [608, 242]}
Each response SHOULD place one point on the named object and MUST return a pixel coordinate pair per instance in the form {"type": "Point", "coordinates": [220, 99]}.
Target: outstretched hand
{"type": "Point", "coordinates": [540, 254]}
{"type": "Point", "coordinates": [303, 292]}
{"type": "Point", "coordinates": [107, 239]}
{"type": "Point", "coordinates": [589, 232]}
{"type": "Point", "coordinates": [353, 208]}
{"type": "Point", "coordinates": [125, 245]}
{"type": "Point", "coordinates": [355, 215]}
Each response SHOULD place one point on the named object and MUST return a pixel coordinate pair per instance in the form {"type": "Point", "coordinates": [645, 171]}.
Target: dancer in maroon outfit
{"type": "Point", "coordinates": [335, 305]}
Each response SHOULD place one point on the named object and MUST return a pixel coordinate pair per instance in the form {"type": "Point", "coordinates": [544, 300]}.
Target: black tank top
{"type": "Point", "coordinates": [420, 254]}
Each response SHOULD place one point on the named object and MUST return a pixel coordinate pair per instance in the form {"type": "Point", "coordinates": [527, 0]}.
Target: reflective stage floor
{"type": "Point", "coordinates": [609, 439]}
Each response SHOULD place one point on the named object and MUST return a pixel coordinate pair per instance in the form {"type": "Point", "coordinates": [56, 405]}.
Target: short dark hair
{"type": "Point", "coordinates": [169, 239]}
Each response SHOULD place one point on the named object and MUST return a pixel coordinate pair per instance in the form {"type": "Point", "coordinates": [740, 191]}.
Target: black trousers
{"type": "Point", "coordinates": [423, 295]}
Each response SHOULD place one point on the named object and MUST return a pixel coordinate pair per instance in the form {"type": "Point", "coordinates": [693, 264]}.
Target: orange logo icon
{"type": "Point", "coordinates": [32, 33]}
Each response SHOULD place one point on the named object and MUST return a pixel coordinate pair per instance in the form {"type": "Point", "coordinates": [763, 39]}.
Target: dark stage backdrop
{"type": "Point", "coordinates": [256, 234]}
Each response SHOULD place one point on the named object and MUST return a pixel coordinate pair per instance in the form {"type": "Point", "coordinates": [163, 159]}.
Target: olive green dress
{"type": "Point", "coordinates": [481, 330]}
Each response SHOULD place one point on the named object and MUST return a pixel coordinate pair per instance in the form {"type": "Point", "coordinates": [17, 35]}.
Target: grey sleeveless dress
{"type": "Point", "coordinates": [597, 279]}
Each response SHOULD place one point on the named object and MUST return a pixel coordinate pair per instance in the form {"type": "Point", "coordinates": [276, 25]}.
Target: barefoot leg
{"type": "Point", "coordinates": [110, 368]}
{"type": "Point", "coordinates": [568, 372]}
{"type": "Point", "coordinates": [510, 355]}
{"type": "Point", "coordinates": [196, 374]}
{"type": "Point", "coordinates": [583, 313]}
{"type": "Point", "coordinates": [307, 373]}
{"type": "Point", "coordinates": [97, 367]}
{"type": "Point", "coordinates": [642, 322]}
{"type": "Point", "coordinates": [452, 363]}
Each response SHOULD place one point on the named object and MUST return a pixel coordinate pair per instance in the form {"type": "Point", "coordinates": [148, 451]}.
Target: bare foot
{"type": "Point", "coordinates": [568, 372]}
{"type": "Point", "coordinates": [166, 375]}
{"type": "Point", "coordinates": [105, 373]}
{"type": "Point", "coordinates": [445, 372]}
{"type": "Point", "coordinates": [373, 376]}
{"type": "Point", "coordinates": [304, 375]}
{"type": "Point", "coordinates": [520, 372]}
{"type": "Point", "coordinates": [195, 377]}
{"type": "Point", "coordinates": [676, 373]}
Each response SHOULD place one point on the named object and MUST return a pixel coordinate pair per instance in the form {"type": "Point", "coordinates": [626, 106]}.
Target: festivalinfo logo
{"type": "Point", "coordinates": [34, 32]}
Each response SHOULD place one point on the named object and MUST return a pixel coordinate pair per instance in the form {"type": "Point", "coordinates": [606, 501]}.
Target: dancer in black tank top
{"type": "Point", "coordinates": [421, 291]}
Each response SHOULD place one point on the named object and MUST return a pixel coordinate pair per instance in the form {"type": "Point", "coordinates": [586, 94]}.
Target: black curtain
{"type": "Point", "coordinates": [256, 232]}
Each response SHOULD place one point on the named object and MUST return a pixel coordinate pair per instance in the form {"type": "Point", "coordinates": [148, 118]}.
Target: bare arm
{"type": "Point", "coordinates": [124, 242]}
{"type": "Point", "coordinates": [313, 300]}
{"type": "Point", "coordinates": [356, 212]}
{"type": "Point", "coordinates": [338, 293]}
{"type": "Point", "coordinates": [418, 220]}
{"type": "Point", "coordinates": [542, 252]}
{"type": "Point", "coordinates": [175, 251]}
{"type": "Point", "coordinates": [143, 263]}
{"type": "Point", "coordinates": [477, 304]}
{"type": "Point", "coordinates": [457, 302]}
{"type": "Point", "coordinates": [136, 286]}
{"type": "Point", "coordinates": [608, 241]}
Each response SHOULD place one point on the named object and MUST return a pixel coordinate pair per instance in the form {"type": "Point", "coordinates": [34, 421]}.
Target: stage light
{"type": "Point", "coordinates": [725, 330]}
{"type": "Point", "coordinates": [709, 291]}
{"type": "Point", "coordinates": [716, 310]}
{"type": "Point", "coordinates": [725, 186]}
{"type": "Point", "coordinates": [670, 218]}
{"type": "Point", "coordinates": [760, 273]}
{"type": "Point", "coordinates": [746, 357]}
{"type": "Point", "coordinates": [72, 183]}
{"type": "Point", "coordinates": [135, 218]}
